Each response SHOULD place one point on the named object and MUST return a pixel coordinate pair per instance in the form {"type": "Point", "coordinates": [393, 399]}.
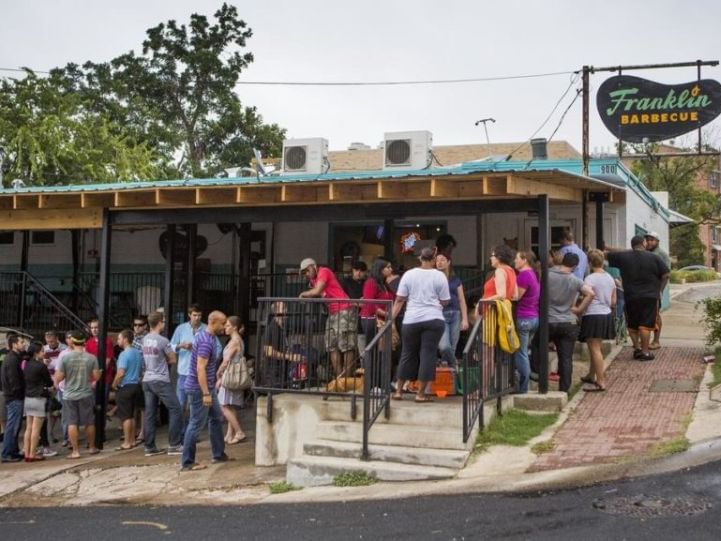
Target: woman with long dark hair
{"type": "Point", "coordinates": [37, 387]}
{"type": "Point", "coordinates": [527, 313]}
{"type": "Point", "coordinates": [375, 288]}
{"type": "Point", "coordinates": [455, 313]}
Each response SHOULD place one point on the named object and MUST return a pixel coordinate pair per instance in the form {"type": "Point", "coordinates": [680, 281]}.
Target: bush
{"type": "Point", "coordinates": [282, 487]}
{"type": "Point", "coordinates": [354, 479]}
{"type": "Point", "coordinates": [678, 277]}
{"type": "Point", "coordinates": [712, 319]}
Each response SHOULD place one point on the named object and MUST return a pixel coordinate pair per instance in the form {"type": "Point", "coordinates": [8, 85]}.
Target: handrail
{"type": "Point", "coordinates": [376, 359]}
{"type": "Point", "coordinates": [35, 283]}
{"type": "Point", "coordinates": [469, 417]}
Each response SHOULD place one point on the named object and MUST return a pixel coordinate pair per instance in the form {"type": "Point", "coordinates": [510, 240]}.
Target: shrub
{"type": "Point", "coordinates": [678, 276]}
{"type": "Point", "coordinates": [712, 319]}
{"type": "Point", "coordinates": [354, 479]}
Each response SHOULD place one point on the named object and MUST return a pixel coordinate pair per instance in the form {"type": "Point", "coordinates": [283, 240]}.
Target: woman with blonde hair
{"type": "Point", "coordinates": [597, 323]}
{"type": "Point", "coordinates": [231, 401]}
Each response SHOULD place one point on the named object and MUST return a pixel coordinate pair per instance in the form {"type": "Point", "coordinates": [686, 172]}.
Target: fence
{"type": "Point", "coordinates": [294, 339]}
{"type": "Point", "coordinates": [486, 370]}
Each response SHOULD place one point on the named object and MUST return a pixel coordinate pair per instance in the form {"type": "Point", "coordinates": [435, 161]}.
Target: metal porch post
{"type": "Point", "coordinates": [103, 313]}
{"type": "Point", "coordinates": [192, 230]}
{"type": "Point", "coordinates": [543, 248]}
{"type": "Point", "coordinates": [23, 288]}
{"type": "Point", "coordinates": [480, 255]}
{"type": "Point", "coordinates": [169, 281]}
{"type": "Point", "coordinates": [244, 274]}
{"type": "Point", "coordinates": [599, 199]}
{"type": "Point", "coordinates": [388, 240]}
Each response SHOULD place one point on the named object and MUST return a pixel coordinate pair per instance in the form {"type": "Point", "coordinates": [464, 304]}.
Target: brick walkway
{"type": "Point", "coordinates": [627, 419]}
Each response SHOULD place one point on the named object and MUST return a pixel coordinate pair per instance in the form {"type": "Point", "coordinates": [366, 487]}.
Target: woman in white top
{"type": "Point", "coordinates": [597, 323]}
{"type": "Point", "coordinates": [426, 291]}
{"type": "Point", "coordinates": [231, 401]}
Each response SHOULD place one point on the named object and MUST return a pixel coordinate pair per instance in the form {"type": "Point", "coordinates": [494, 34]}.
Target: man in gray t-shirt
{"type": "Point", "coordinates": [158, 354]}
{"type": "Point", "coordinates": [563, 291]}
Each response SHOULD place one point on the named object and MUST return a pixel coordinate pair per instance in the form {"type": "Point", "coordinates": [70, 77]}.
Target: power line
{"type": "Point", "coordinates": [24, 70]}
{"type": "Point", "coordinates": [565, 92]}
{"type": "Point", "coordinates": [399, 83]}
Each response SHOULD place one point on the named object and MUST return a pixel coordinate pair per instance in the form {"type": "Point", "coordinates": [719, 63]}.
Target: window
{"type": "Point", "coordinates": [42, 237]}
{"type": "Point", "coordinates": [714, 234]}
{"type": "Point", "coordinates": [714, 179]}
{"type": "Point", "coordinates": [7, 237]}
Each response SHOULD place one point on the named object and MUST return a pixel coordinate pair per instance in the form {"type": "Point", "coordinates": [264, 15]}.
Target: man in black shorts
{"type": "Point", "coordinates": [129, 393]}
{"type": "Point", "coordinates": [643, 274]}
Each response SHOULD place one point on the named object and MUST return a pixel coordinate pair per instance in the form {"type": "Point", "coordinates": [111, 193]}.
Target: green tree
{"type": "Point", "coordinates": [50, 137]}
{"type": "Point", "coordinates": [178, 94]}
{"type": "Point", "coordinates": [679, 176]}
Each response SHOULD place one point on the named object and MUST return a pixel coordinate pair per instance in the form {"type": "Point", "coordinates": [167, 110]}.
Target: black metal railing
{"type": "Point", "coordinates": [377, 380]}
{"type": "Point", "coordinates": [294, 342]}
{"type": "Point", "coordinates": [486, 370]}
{"type": "Point", "coordinates": [25, 303]}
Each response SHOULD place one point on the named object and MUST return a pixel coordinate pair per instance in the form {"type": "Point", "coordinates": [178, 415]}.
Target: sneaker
{"type": "Point", "coordinates": [553, 376]}
{"type": "Point", "coordinates": [533, 376]}
{"type": "Point", "coordinates": [47, 452]}
{"type": "Point", "coordinates": [645, 357]}
{"type": "Point", "coordinates": [154, 452]}
{"type": "Point", "coordinates": [12, 459]}
{"type": "Point", "coordinates": [177, 450]}
{"type": "Point", "coordinates": [223, 458]}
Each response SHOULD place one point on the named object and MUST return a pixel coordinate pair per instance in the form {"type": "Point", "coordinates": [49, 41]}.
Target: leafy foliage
{"type": "Point", "coordinates": [168, 111]}
{"type": "Point", "coordinates": [712, 319]}
{"type": "Point", "coordinates": [679, 176]}
{"type": "Point", "coordinates": [354, 479]}
{"type": "Point", "coordinates": [282, 487]}
{"type": "Point", "coordinates": [50, 137]}
{"type": "Point", "coordinates": [678, 277]}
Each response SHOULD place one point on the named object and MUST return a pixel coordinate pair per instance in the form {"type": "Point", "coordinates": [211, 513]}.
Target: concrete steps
{"type": "Point", "coordinates": [446, 413]}
{"type": "Point", "coordinates": [428, 437]}
{"type": "Point", "coordinates": [320, 470]}
{"type": "Point", "coordinates": [446, 458]}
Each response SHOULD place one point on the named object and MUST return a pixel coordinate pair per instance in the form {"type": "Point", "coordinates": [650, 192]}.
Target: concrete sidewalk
{"type": "Point", "coordinates": [598, 436]}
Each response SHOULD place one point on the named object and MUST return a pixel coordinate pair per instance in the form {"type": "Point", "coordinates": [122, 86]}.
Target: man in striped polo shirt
{"type": "Point", "coordinates": [200, 389]}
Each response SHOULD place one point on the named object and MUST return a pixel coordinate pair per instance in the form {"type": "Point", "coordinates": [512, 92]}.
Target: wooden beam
{"type": "Point", "coordinates": [46, 219]}
{"type": "Point", "coordinates": [494, 186]}
{"type": "Point", "coordinates": [259, 194]}
{"type": "Point", "coordinates": [470, 188]}
{"type": "Point", "coordinates": [28, 201]}
{"type": "Point", "coordinates": [523, 186]}
{"type": "Point", "coordinates": [298, 193]}
{"type": "Point", "coordinates": [444, 188]}
{"type": "Point", "coordinates": [136, 198]}
{"type": "Point", "coordinates": [391, 189]}
{"type": "Point", "coordinates": [60, 201]}
{"type": "Point", "coordinates": [176, 197]}
{"type": "Point", "coordinates": [97, 199]}
{"type": "Point", "coordinates": [215, 196]}
{"type": "Point", "coordinates": [350, 191]}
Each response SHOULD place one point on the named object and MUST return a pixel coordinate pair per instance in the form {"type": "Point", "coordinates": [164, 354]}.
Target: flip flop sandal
{"type": "Point", "coordinates": [423, 400]}
{"type": "Point", "coordinates": [73, 457]}
{"type": "Point", "coordinates": [596, 388]}
{"type": "Point", "coordinates": [396, 397]}
{"type": "Point", "coordinates": [588, 379]}
{"type": "Point", "coordinates": [121, 448]}
{"type": "Point", "coordinates": [654, 346]}
{"type": "Point", "coordinates": [94, 452]}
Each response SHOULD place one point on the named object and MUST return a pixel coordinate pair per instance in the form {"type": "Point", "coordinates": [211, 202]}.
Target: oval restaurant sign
{"type": "Point", "coordinates": [638, 110]}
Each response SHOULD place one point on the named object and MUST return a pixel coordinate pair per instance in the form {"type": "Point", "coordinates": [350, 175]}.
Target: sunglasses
{"type": "Point", "coordinates": [138, 324]}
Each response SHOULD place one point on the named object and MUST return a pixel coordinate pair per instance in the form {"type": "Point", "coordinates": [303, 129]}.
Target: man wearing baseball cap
{"type": "Point", "coordinates": [653, 245]}
{"type": "Point", "coordinates": [341, 332]}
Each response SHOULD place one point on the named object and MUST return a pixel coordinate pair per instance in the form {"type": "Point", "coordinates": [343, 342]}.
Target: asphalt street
{"type": "Point", "coordinates": [680, 505]}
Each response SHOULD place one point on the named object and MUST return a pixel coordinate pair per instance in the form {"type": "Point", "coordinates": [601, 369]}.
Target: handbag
{"type": "Point", "coordinates": [395, 335]}
{"type": "Point", "coordinates": [237, 376]}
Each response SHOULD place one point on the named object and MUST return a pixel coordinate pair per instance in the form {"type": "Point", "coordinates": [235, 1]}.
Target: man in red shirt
{"type": "Point", "coordinates": [341, 331]}
{"type": "Point", "coordinates": [92, 347]}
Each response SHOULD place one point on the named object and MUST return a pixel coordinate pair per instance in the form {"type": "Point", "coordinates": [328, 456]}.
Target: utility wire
{"type": "Point", "coordinates": [370, 83]}
{"type": "Point", "coordinates": [399, 83]}
{"type": "Point", "coordinates": [574, 78]}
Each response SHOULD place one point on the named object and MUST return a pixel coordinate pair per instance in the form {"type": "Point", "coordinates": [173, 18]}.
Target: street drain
{"type": "Point", "coordinates": [674, 386]}
{"type": "Point", "coordinates": [644, 506]}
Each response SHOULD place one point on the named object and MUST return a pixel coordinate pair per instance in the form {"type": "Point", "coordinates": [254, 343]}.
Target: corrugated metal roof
{"type": "Point", "coordinates": [563, 167]}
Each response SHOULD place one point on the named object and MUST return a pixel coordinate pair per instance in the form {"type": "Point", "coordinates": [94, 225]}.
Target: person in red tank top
{"type": "Point", "coordinates": [502, 284]}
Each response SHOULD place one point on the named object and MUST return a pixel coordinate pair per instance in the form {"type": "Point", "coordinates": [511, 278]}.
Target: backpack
{"type": "Point", "coordinates": [507, 336]}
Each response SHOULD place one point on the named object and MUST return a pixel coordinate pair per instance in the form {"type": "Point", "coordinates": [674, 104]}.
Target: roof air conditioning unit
{"type": "Point", "coordinates": [407, 150]}
{"type": "Point", "coordinates": [305, 156]}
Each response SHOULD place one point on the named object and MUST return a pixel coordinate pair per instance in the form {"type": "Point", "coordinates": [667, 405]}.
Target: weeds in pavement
{"type": "Point", "coordinates": [574, 389]}
{"type": "Point", "coordinates": [354, 479]}
{"type": "Point", "coordinates": [676, 445]}
{"type": "Point", "coordinates": [514, 427]}
{"type": "Point", "coordinates": [543, 447]}
{"type": "Point", "coordinates": [282, 487]}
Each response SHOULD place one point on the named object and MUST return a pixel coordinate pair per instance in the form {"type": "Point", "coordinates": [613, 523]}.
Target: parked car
{"type": "Point", "coordinates": [697, 268]}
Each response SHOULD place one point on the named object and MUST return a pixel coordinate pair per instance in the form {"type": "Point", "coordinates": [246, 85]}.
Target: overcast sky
{"type": "Point", "coordinates": [380, 40]}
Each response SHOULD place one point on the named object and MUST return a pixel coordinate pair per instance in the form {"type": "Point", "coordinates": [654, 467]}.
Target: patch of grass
{"type": "Point", "coordinates": [514, 427]}
{"type": "Point", "coordinates": [676, 445]}
{"type": "Point", "coordinates": [282, 487]}
{"type": "Point", "coordinates": [354, 479]}
{"type": "Point", "coordinates": [716, 369]}
{"type": "Point", "coordinates": [543, 447]}
{"type": "Point", "coordinates": [574, 389]}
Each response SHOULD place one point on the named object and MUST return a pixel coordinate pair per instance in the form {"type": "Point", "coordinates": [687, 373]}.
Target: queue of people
{"type": "Point", "coordinates": [36, 375]}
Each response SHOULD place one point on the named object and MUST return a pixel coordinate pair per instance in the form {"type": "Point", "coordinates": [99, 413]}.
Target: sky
{"type": "Point", "coordinates": [400, 40]}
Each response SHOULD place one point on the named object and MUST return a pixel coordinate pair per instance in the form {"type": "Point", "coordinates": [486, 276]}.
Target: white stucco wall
{"type": "Point", "coordinates": [639, 213]}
